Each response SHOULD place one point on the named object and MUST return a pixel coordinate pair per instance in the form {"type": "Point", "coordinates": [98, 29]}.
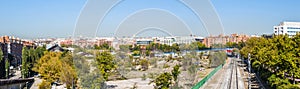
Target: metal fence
{"type": "Point", "coordinates": [206, 78]}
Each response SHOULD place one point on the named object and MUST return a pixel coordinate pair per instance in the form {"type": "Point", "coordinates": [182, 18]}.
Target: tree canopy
{"type": "Point", "coordinates": [106, 64]}
{"type": "Point", "coordinates": [276, 59]}
{"type": "Point", "coordinates": [29, 58]}
{"type": "Point", "coordinates": [54, 67]}
{"type": "Point", "coordinates": [163, 81]}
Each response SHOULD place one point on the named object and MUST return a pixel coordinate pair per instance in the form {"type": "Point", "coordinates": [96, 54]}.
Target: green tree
{"type": "Point", "coordinates": [136, 53]}
{"type": "Point", "coordinates": [144, 63]}
{"type": "Point", "coordinates": [96, 47]}
{"type": "Point", "coordinates": [25, 64]}
{"type": "Point", "coordinates": [56, 66]}
{"type": "Point", "coordinates": [175, 72]}
{"type": "Point", "coordinates": [201, 55]}
{"type": "Point", "coordinates": [276, 59]}
{"type": "Point", "coordinates": [231, 45]}
{"type": "Point", "coordinates": [163, 81]}
{"type": "Point", "coordinates": [40, 52]}
{"type": "Point", "coordinates": [196, 46]}
{"type": "Point", "coordinates": [148, 53]}
{"type": "Point", "coordinates": [67, 57]}
{"type": "Point", "coordinates": [1, 54]}
{"type": "Point", "coordinates": [45, 85]}
{"type": "Point", "coordinates": [7, 64]}
{"type": "Point", "coordinates": [68, 75]}
{"type": "Point", "coordinates": [217, 58]}
{"type": "Point", "coordinates": [49, 67]}
{"type": "Point", "coordinates": [29, 58]}
{"type": "Point", "coordinates": [124, 48]}
{"type": "Point", "coordinates": [240, 45]}
{"type": "Point", "coordinates": [87, 79]}
{"type": "Point", "coordinates": [106, 64]}
{"type": "Point", "coordinates": [104, 46]}
{"type": "Point", "coordinates": [175, 47]}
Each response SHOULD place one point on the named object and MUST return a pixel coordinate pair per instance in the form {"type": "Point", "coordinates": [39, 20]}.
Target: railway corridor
{"type": "Point", "coordinates": [227, 78]}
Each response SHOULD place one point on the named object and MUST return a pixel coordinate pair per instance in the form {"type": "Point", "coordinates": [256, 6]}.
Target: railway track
{"type": "Point", "coordinates": [230, 79]}
{"type": "Point", "coordinates": [234, 76]}
{"type": "Point", "coordinates": [227, 78]}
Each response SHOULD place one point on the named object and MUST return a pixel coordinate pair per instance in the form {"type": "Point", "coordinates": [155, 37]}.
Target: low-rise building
{"type": "Point", "coordinates": [221, 39]}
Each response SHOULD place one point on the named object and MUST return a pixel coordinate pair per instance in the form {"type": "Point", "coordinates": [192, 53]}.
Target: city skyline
{"type": "Point", "coordinates": [43, 19]}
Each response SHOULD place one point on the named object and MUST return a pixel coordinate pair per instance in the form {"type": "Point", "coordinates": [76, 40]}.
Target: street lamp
{"type": "Point", "coordinates": [249, 68]}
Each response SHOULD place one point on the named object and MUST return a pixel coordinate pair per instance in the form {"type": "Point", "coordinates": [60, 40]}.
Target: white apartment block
{"type": "Point", "coordinates": [289, 28]}
{"type": "Point", "coordinates": [176, 39]}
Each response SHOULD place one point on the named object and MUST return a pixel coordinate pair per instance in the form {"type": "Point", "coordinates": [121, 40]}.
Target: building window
{"type": "Point", "coordinates": [293, 28]}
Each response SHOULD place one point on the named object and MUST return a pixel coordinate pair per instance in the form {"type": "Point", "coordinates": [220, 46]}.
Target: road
{"type": "Point", "coordinates": [227, 78]}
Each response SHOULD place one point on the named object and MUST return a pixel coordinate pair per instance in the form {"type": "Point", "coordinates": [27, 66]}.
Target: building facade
{"type": "Point", "coordinates": [221, 39]}
{"type": "Point", "coordinates": [289, 28]}
{"type": "Point", "coordinates": [177, 40]}
{"type": "Point", "coordinates": [12, 49]}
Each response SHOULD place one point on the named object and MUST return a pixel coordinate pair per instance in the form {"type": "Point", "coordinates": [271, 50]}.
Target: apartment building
{"type": "Point", "coordinates": [221, 39]}
{"type": "Point", "coordinates": [12, 49]}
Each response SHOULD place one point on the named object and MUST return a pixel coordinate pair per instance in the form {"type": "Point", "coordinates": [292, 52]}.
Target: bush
{"type": "Point", "coordinates": [144, 77]}
{"type": "Point", "coordinates": [45, 85]}
{"type": "Point", "coordinates": [166, 66]}
{"type": "Point", "coordinates": [217, 58]}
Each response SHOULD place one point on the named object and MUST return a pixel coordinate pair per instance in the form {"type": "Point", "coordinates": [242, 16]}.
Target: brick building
{"type": "Point", "coordinates": [221, 39]}
{"type": "Point", "coordinates": [103, 41]}
{"type": "Point", "coordinates": [66, 42]}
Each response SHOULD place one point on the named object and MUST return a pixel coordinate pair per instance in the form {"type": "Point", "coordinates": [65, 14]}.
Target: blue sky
{"type": "Point", "coordinates": [128, 9]}
{"type": "Point", "coordinates": [57, 18]}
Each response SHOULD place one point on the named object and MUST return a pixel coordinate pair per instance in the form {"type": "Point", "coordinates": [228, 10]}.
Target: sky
{"type": "Point", "coordinates": [57, 18]}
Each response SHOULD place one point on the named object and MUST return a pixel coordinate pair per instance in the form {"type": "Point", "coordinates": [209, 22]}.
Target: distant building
{"type": "Point", "coordinates": [289, 28]}
{"type": "Point", "coordinates": [66, 42]}
{"type": "Point", "coordinates": [267, 35]}
{"type": "Point", "coordinates": [90, 42]}
{"type": "Point", "coordinates": [143, 41]}
{"type": "Point", "coordinates": [166, 40]}
{"type": "Point", "coordinates": [55, 48]}
{"type": "Point", "coordinates": [101, 41]}
{"type": "Point", "coordinates": [221, 39]}
{"type": "Point", "coordinates": [177, 39]}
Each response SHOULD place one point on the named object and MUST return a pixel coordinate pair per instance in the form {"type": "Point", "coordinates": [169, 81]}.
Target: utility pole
{"type": "Point", "coordinates": [249, 68]}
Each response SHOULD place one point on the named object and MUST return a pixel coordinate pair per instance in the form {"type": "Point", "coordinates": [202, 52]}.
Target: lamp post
{"type": "Point", "coordinates": [249, 68]}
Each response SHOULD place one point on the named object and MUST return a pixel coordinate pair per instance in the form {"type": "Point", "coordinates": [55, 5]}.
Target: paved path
{"type": "Point", "coordinates": [227, 78]}
{"type": "Point", "coordinates": [128, 84]}
{"type": "Point", "coordinates": [17, 75]}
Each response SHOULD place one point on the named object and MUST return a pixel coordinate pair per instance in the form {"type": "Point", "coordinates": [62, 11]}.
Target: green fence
{"type": "Point", "coordinates": [206, 78]}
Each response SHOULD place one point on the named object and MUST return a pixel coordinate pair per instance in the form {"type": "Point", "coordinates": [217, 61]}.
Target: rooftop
{"type": "Point", "coordinates": [289, 24]}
